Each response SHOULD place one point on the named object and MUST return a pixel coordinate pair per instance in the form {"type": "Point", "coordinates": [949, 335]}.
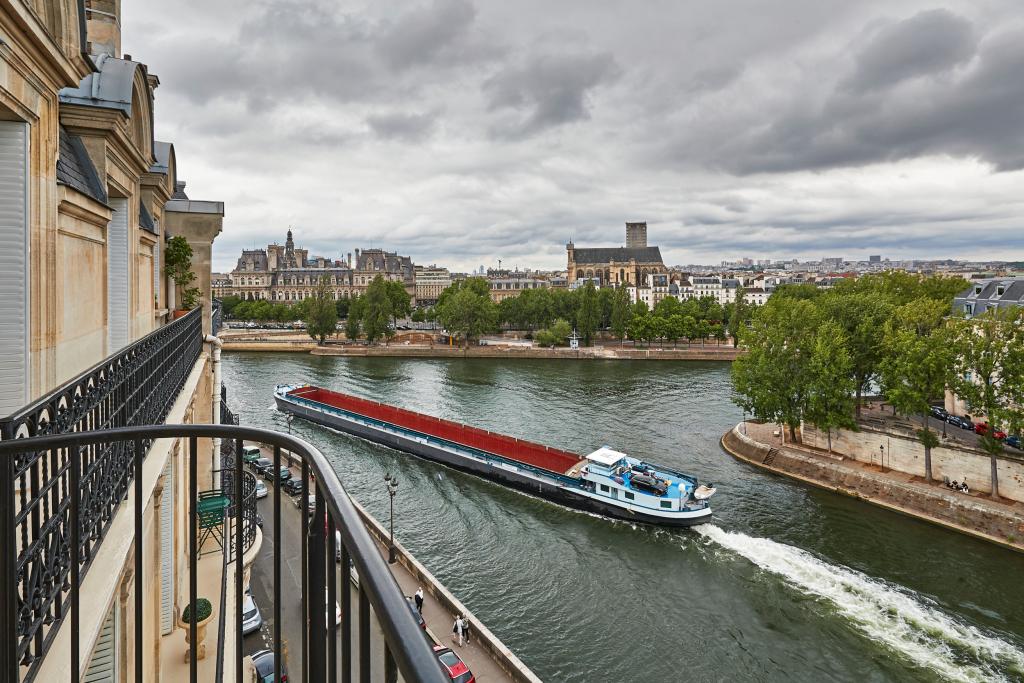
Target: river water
{"type": "Point", "coordinates": [788, 583]}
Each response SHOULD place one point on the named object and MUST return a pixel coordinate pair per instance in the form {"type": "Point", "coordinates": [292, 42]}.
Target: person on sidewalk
{"type": "Point", "coordinates": [457, 630]}
{"type": "Point", "coordinates": [465, 629]}
{"type": "Point", "coordinates": [418, 597]}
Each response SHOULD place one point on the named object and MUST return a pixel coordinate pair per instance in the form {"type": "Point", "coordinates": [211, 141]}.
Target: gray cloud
{"type": "Point", "coordinates": [464, 131]}
{"type": "Point", "coordinates": [547, 90]}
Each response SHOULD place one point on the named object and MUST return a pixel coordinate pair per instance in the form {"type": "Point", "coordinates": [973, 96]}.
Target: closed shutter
{"type": "Point", "coordinates": [103, 663]}
{"type": "Point", "coordinates": [14, 305]}
{"type": "Point", "coordinates": [156, 272]}
{"type": "Point", "coordinates": [167, 551]}
{"type": "Point", "coordinates": [117, 276]}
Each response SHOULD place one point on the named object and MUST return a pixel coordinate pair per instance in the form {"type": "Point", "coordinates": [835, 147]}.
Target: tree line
{"type": "Point", "coordinates": [812, 356]}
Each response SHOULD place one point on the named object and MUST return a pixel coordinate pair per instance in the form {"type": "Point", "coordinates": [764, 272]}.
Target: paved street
{"type": "Point", "coordinates": [955, 436]}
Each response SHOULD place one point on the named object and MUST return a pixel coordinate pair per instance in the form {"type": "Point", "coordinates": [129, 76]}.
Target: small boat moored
{"type": "Point", "coordinates": [605, 482]}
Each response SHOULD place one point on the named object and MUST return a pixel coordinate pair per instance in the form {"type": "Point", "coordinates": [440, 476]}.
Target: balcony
{"type": "Point", "coordinates": [78, 481]}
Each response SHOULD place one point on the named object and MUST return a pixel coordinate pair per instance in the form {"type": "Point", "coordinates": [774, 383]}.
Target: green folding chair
{"type": "Point", "coordinates": [211, 510]}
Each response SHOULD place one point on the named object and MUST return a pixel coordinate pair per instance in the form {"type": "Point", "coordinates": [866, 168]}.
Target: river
{"type": "Point", "coordinates": [788, 583]}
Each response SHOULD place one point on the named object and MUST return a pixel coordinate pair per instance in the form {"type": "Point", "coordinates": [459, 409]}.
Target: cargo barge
{"type": "Point", "coordinates": [605, 482]}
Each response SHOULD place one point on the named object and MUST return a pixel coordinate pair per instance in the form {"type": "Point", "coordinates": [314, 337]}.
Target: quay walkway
{"type": "Point", "coordinates": [488, 659]}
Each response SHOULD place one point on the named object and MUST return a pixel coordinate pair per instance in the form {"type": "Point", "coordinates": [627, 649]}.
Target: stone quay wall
{"type": "Point", "coordinates": [1000, 524]}
{"type": "Point", "coordinates": [904, 453]}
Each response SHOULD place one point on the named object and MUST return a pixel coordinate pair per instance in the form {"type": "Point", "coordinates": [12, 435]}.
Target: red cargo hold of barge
{"type": "Point", "coordinates": [550, 459]}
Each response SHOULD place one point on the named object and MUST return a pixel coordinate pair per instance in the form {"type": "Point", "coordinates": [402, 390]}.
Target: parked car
{"type": "Point", "coordinates": [252, 620]}
{"type": "Point", "coordinates": [1013, 440]}
{"type": "Point", "coordinates": [327, 614]}
{"type": "Point", "coordinates": [285, 473]}
{"type": "Point", "coordinates": [961, 422]}
{"type": "Point", "coordinates": [982, 428]}
{"type": "Point", "coordinates": [292, 487]}
{"type": "Point", "coordinates": [250, 454]}
{"type": "Point", "coordinates": [263, 661]}
{"type": "Point", "coordinates": [453, 665]}
{"type": "Point", "coordinates": [261, 489]}
{"type": "Point", "coordinates": [263, 466]}
{"type": "Point", "coordinates": [415, 612]}
{"type": "Point", "coordinates": [938, 412]}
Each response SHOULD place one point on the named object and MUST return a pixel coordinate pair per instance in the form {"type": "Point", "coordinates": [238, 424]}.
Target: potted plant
{"type": "Point", "coordinates": [178, 266]}
{"type": "Point", "coordinates": [204, 613]}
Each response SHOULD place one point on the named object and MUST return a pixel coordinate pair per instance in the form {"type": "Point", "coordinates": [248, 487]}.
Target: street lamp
{"type": "Point", "coordinates": [391, 483]}
{"type": "Point", "coordinates": [881, 456]}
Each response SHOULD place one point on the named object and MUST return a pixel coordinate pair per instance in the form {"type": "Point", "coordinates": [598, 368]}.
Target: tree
{"type": "Point", "coordinates": [621, 313]}
{"type": "Point", "coordinates": [989, 374]}
{"type": "Point", "coordinates": [640, 326]}
{"type": "Point", "coordinates": [863, 316]}
{"type": "Point", "coordinates": [772, 381]}
{"type": "Point", "coordinates": [830, 381]}
{"type": "Point", "coordinates": [738, 316]}
{"type": "Point", "coordinates": [228, 303]}
{"type": "Point", "coordinates": [467, 312]}
{"type": "Point", "coordinates": [354, 321]}
{"type": "Point", "coordinates": [418, 316]}
{"type": "Point", "coordinates": [556, 335]}
{"type": "Point", "coordinates": [703, 330]}
{"type": "Point", "coordinates": [675, 327]}
{"type": "Point", "coordinates": [916, 364]}
{"type": "Point", "coordinates": [341, 306]}
{"type": "Point", "coordinates": [400, 300]}
{"type": "Point", "coordinates": [377, 311]}
{"type": "Point", "coordinates": [589, 315]}
{"type": "Point", "coordinates": [178, 266]}
{"type": "Point", "coordinates": [321, 315]}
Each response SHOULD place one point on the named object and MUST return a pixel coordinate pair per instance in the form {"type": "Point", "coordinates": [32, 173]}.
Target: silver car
{"type": "Point", "coordinates": [252, 620]}
{"type": "Point", "coordinates": [261, 489]}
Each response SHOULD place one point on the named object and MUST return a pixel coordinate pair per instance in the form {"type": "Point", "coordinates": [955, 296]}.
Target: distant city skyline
{"type": "Point", "coordinates": [466, 131]}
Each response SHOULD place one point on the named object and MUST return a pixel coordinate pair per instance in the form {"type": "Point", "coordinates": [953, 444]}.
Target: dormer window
{"type": "Point", "coordinates": [977, 289]}
{"type": "Point", "coordinates": [999, 290]}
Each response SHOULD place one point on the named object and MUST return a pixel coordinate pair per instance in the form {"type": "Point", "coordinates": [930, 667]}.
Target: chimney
{"type": "Point", "coordinates": [103, 27]}
{"type": "Point", "coordinates": [179, 190]}
{"type": "Point", "coordinates": [350, 259]}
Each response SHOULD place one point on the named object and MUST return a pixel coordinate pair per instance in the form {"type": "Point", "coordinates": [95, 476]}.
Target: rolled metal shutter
{"type": "Point", "coordinates": [167, 551]}
{"type": "Point", "coordinates": [103, 663]}
{"type": "Point", "coordinates": [117, 276]}
{"type": "Point", "coordinates": [14, 259]}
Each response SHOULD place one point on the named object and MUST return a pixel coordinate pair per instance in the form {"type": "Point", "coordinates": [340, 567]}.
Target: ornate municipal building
{"type": "Point", "coordinates": [284, 273]}
{"type": "Point", "coordinates": [614, 266]}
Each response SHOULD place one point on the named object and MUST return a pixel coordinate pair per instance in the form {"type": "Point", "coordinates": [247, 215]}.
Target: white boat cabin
{"type": "Point", "coordinates": [612, 472]}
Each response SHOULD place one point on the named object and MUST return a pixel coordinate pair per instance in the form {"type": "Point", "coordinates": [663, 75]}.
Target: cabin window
{"type": "Point", "coordinates": [666, 504]}
{"type": "Point", "coordinates": [629, 496]}
{"type": "Point", "coordinates": [604, 489]}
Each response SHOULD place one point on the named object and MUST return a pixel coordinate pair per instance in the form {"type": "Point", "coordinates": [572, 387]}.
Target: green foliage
{"type": "Point", "coordinates": [773, 381]}
{"type": "Point", "coordinates": [862, 316]}
{"type": "Point", "coordinates": [621, 313]}
{"type": "Point", "coordinates": [589, 315]}
{"type": "Point", "coordinates": [830, 382]}
{"type": "Point", "coordinates": [178, 266]}
{"type": "Point", "coordinates": [465, 308]}
{"type": "Point", "coordinates": [354, 321]}
{"type": "Point", "coordinates": [556, 335]}
{"type": "Point", "coordinates": [418, 316]}
{"type": "Point", "coordinates": [228, 304]}
{"type": "Point", "coordinates": [377, 311]}
{"type": "Point", "coordinates": [399, 298]}
{"type": "Point", "coordinates": [204, 609]}
{"type": "Point", "coordinates": [341, 307]}
{"type": "Point", "coordinates": [321, 316]}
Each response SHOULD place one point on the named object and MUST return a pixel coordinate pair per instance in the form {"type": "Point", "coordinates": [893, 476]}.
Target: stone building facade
{"type": "Point", "coordinates": [87, 202]}
{"type": "Point", "coordinates": [430, 282]}
{"type": "Point", "coordinates": [285, 273]}
{"type": "Point", "coordinates": [616, 266]}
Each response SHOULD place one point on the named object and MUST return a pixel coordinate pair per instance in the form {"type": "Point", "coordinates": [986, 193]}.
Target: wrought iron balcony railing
{"type": "Point", "coordinates": [405, 647]}
{"type": "Point", "coordinates": [136, 386]}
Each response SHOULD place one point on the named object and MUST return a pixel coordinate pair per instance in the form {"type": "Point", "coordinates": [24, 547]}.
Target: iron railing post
{"type": "Point", "coordinates": [9, 636]}
{"type": "Point", "coordinates": [239, 559]}
{"type": "Point", "coordinates": [318, 610]}
{"type": "Point", "coordinates": [138, 645]}
{"type": "Point", "coordinates": [193, 552]}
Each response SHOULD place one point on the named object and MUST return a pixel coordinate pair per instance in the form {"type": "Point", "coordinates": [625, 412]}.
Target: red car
{"type": "Point", "coordinates": [982, 428]}
{"type": "Point", "coordinates": [453, 665]}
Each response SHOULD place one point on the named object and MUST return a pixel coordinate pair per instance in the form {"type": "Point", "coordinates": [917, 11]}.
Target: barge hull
{"type": "Point", "coordinates": [485, 469]}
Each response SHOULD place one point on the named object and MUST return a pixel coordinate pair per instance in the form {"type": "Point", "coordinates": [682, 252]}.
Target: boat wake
{"type": "Point", "coordinates": [907, 622]}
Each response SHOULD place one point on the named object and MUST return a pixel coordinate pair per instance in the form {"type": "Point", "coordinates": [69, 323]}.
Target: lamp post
{"type": "Point", "coordinates": [881, 456]}
{"type": "Point", "coordinates": [391, 483]}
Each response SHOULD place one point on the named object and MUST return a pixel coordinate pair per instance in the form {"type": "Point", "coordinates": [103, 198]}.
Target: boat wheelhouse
{"type": "Point", "coordinates": [605, 482]}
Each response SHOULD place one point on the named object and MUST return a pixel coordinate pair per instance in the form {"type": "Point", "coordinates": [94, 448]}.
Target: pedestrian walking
{"type": "Point", "coordinates": [418, 597]}
{"type": "Point", "coordinates": [457, 630]}
{"type": "Point", "coordinates": [465, 629]}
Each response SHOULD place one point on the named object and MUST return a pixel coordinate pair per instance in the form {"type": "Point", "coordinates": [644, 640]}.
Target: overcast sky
{"type": "Point", "coordinates": [466, 131]}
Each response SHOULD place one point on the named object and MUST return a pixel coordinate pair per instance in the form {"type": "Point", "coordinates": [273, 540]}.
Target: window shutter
{"type": "Point", "coordinates": [103, 663]}
{"type": "Point", "coordinates": [167, 551]}
{"type": "Point", "coordinates": [117, 276]}
{"type": "Point", "coordinates": [14, 304]}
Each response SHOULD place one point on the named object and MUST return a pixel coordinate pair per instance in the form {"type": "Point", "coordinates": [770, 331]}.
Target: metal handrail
{"type": "Point", "coordinates": [406, 646]}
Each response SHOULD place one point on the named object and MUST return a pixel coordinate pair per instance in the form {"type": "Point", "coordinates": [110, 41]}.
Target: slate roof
{"type": "Point", "coordinates": [619, 254]}
{"type": "Point", "coordinates": [109, 87]}
{"type": "Point", "coordinates": [75, 169]}
{"type": "Point", "coordinates": [145, 220]}
{"type": "Point", "coordinates": [1013, 295]}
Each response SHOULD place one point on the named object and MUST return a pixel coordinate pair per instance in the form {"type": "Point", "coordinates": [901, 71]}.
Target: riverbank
{"type": "Point", "coordinates": [705, 353]}
{"type": "Point", "coordinates": [996, 522]}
